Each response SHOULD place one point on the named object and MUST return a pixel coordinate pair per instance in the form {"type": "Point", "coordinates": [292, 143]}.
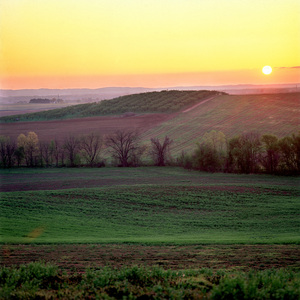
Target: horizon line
{"type": "Point", "coordinates": [165, 87]}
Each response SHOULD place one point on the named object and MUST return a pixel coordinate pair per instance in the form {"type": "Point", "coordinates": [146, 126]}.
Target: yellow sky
{"type": "Point", "coordinates": [94, 43]}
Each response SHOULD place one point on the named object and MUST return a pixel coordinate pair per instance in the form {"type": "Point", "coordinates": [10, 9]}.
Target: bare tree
{"type": "Point", "coordinates": [10, 150]}
{"type": "Point", "coordinates": [56, 152]}
{"type": "Point", "coordinates": [91, 146]}
{"type": "Point", "coordinates": [160, 151]}
{"type": "Point", "coordinates": [72, 145]}
{"type": "Point", "coordinates": [7, 150]}
{"type": "Point", "coordinates": [3, 154]}
{"type": "Point", "coordinates": [125, 148]}
{"type": "Point", "coordinates": [45, 153]}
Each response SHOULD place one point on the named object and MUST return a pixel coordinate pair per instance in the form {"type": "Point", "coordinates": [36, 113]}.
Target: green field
{"type": "Point", "coordinates": [151, 102]}
{"type": "Point", "coordinates": [149, 206]}
{"type": "Point", "coordinates": [151, 233]}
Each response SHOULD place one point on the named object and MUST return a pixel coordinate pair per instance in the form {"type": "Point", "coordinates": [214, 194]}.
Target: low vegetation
{"type": "Point", "coordinates": [153, 102]}
{"type": "Point", "coordinates": [38, 280]}
{"type": "Point", "coordinates": [213, 209]}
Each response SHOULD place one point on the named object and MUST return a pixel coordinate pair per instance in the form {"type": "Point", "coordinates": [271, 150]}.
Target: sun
{"type": "Point", "coordinates": [267, 70]}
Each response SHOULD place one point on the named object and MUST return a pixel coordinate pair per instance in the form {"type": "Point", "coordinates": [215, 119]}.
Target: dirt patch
{"type": "Point", "coordinates": [60, 129]}
{"type": "Point", "coordinates": [78, 257]}
{"type": "Point", "coordinates": [38, 182]}
{"type": "Point", "coordinates": [66, 178]}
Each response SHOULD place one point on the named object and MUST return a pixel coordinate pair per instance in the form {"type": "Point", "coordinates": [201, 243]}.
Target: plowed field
{"type": "Point", "coordinates": [79, 257]}
{"type": "Point", "coordinates": [59, 130]}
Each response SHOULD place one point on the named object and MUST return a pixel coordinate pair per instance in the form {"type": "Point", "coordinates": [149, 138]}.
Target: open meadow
{"type": "Point", "coordinates": [158, 219]}
{"type": "Point", "coordinates": [143, 205]}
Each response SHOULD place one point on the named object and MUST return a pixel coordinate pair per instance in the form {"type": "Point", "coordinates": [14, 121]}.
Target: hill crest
{"type": "Point", "coordinates": [149, 102]}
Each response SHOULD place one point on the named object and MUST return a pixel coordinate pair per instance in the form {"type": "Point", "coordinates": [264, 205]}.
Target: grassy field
{"type": "Point", "coordinates": [151, 102]}
{"type": "Point", "coordinates": [155, 233]}
{"type": "Point", "coordinates": [128, 206]}
{"type": "Point", "coordinates": [233, 115]}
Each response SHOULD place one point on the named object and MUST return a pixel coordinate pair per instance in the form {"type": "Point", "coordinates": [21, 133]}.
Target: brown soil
{"type": "Point", "coordinates": [79, 257]}
{"type": "Point", "coordinates": [61, 179]}
{"type": "Point", "coordinates": [60, 129]}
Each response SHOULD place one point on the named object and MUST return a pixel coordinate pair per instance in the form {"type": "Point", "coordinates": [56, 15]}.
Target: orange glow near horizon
{"type": "Point", "coordinates": [155, 80]}
{"type": "Point", "coordinates": [79, 44]}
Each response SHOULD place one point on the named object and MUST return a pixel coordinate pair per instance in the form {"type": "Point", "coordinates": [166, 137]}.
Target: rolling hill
{"type": "Point", "coordinates": [183, 116]}
{"type": "Point", "coordinates": [151, 102]}
{"type": "Point", "coordinates": [232, 114]}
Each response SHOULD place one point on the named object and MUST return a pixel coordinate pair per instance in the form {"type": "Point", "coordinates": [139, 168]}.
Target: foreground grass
{"type": "Point", "coordinates": [153, 214]}
{"type": "Point", "coordinates": [37, 280]}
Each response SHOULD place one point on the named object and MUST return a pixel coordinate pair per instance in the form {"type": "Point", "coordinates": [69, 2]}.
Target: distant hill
{"type": "Point", "coordinates": [85, 95]}
{"type": "Point", "coordinates": [276, 114]}
{"type": "Point", "coordinates": [70, 95]}
{"type": "Point", "coordinates": [151, 102]}
{"type": "Point", "coordinates": [49, 92]}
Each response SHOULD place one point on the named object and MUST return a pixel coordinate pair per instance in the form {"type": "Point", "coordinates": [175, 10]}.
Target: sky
{"type": "Point", "coordinates": [149, 43]}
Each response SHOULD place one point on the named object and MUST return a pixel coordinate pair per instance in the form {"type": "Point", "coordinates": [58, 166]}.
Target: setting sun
{"type": "Point", "coordinates": [267, 70]}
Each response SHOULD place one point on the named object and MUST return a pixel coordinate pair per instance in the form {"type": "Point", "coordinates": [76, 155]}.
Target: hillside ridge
{"type": "Point", "coordinates": [149, 102]}
{"type": "Point", "coordinates": [231, 114]}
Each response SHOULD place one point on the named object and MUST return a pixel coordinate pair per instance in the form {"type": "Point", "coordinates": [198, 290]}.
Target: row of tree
{"type": "Point", "coordinates": [247, 153]}
{"type": "Point", "coordinates": [123, 146]}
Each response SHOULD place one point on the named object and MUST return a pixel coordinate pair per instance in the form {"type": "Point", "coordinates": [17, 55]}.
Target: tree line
{"type": "Point", "coordinates": [124, 148]}
{"type": "Point", "coordinates": [246, 153]}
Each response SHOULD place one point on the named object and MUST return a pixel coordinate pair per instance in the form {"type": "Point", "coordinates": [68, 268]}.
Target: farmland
{"type": "Point", "coordinates": [233, 115]}
{"type": "Point", "coordinates": [25, 108]}
{"type": "Point", "coordinates": [130, 207]}
{"type": "Point", "coordinates": [151, 102]}
{"type": "Point", "coordinates": [131, 220]}
{"type": "Point", "coordinates": [276, 114]}
{"type": "Point", "coordinates": [199, 233]}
